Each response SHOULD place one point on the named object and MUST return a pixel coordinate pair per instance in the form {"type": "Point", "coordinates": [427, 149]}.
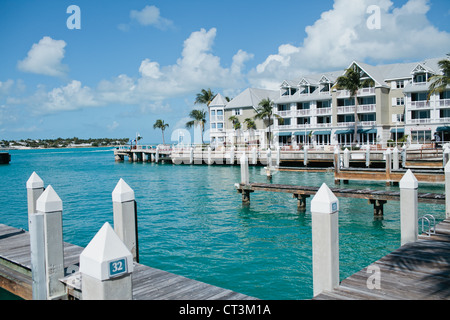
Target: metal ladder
{"type": "Point", "coordinates": [431, 221]}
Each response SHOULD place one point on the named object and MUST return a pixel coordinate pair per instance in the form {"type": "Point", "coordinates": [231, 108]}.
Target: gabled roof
{"type": "Point", "coordinates": [251, 97]}
{"type": "Point", "coordinates": [218, 101]}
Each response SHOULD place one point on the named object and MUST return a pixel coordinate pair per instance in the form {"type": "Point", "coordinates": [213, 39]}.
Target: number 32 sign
{"type": "Point", "coordinates": [117, 267]}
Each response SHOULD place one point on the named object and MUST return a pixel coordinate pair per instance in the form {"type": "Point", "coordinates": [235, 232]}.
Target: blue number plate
{"type": "Point", "coordinates": [117, 267]}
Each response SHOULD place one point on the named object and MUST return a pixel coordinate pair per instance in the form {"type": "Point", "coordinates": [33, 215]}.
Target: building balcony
{"type": "Point", "coordinates": [420, 121]}
{"type": "Point", "coordinates": [361, 109]}
{"type": "Point", "coordinates": [444, 103]}
{"type": "Point", "coordinates": [444, 120]}
{"type": "Point", "coordinates": [361, 92]}
{"type": "Point", "coordinates": [420, 105]}
{"type": "Point", "coordinates": [323, 111]}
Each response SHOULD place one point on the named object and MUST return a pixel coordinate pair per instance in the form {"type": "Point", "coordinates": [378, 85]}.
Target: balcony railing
{"type": "Point", "coordinates": [321, 111]}
{"type": "Point", "coordinates": [361, 92]}
{"type": "Point", "coordinates": [361, 108]}
{"type": "Point", "coordinates": [420, 104]}
{"type": "Point", "coordinates": [420, 121]}
{"type": "Point", "coordinates": [443, 103]}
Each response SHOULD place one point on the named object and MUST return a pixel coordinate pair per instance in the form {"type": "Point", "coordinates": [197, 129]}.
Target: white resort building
{"type": "Point", "coordinates": [316, 114]}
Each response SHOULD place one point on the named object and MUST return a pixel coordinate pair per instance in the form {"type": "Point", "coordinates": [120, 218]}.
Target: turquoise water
{"type": "Point", "coordinates": [191, 221]}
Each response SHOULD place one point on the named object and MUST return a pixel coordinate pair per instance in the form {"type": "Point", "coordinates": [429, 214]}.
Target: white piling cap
{"type": "Point", "coordinates": [98, 258]}
{"type": "Point", "coordinates": [324, 201]}
{"type": "Point", "coordinates": [122, 192]}
{"type": "Point", "coordinates": [388, 151]}
{"type": "Point", "coordinates": [35, 182]}
{"type": "Point", "coordinates": [346, 150]}
{"type": "Point", "coordinates": [49, 201]}
{"type": "Point", "coordinates": [409, 181]}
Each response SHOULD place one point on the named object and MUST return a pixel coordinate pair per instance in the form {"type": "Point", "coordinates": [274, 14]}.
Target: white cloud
{"type": "Point", "coordinates": [196, 68]}
{"type": "Point", "coordinates": [150, 16]}
{"type": "Point", "coordinates": [341, 35]}
{"type": "Point", "coordinates": [45, 58]}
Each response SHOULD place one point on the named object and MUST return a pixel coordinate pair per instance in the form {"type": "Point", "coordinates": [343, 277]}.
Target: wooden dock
{"type": "Point", "coordinates": [148, 283]}
{"type": "Point", "coordinates": [375, 197]}
{"type": "Point", "coordinates": [415, 271]}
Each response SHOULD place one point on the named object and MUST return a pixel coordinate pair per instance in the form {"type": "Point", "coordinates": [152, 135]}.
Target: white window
{"type": "Point", "coordinates": [400, 84]}
{"type": "Point", "coordinates": [237, 112]}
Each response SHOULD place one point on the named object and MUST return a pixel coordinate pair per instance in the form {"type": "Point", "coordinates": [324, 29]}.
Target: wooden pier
{"type": "Point", "coordinates": [148, 283]}
{"type": "Point", "coordinates": [416, 271]}
{"type": "Point", "coordinates": [375, 197]}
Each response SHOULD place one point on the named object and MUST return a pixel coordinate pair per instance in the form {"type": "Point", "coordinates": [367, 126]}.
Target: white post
{"type": "Point", "coordinates": [367, 156]}
{"type": "Point", "coordinates": [346, 158]}
{"type": "Point", "coordinates": [191, 155]}
{"type": "Point", "coordinates": [35, 188]}
{"type": "Point", "coordinates": [409, 208]}
{"type": "Point", "coordinates": [278, 156]}
{"type": "Point", "coordinates": [245, 178]}
{"type": "Point", "coordinates": [447, 190]}
{"type": "Point", "coordinates": [209, 156]}
{"type": "Point", "coordinates": [254, 156]}
{"type": "Point", "coordinates": [404, 156]}
{"type": "Point", "coordinates": [106, 265]}
{"type": "Point", "coordinates": [49, 205]}
{"type": "Point", "coordinates": [269, 158]}
{"type": "Point", "coordinates": [325, 240]}
{"type": "Point", "coordinates": [157, 154]}
{"type": "Point", "coordinates": [446, 156]}
{"type": "Point", "coordinates": [395, 164]}
{"type": "Point", "coordinates": [125, 217]}
{"type": "Point", "coordinates": [388, 157]}
{"type": "Point", "coordinates": [305, 155]}
{"type": "Point", "coordinates": [232, 155]}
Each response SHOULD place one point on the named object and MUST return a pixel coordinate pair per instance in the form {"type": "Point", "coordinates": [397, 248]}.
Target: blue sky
{"type": "Point", "coordinates": [133, 62]}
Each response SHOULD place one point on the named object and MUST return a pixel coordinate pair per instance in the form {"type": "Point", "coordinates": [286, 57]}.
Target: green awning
{"type": "Point", "coordinates": [344, 131]}
{"type": "Point", "coordinates": [283, 134]}
{"type": "Point", "coordinates": [316, 133]}
{"type": "Point", "coordinates": [368, 131]}
{"type": "Point", "coordinates": [300, 133]}
{"type": "Point", "coordinates": [442, 129]}
{"type": "Point", "coordinates": [398, 130]}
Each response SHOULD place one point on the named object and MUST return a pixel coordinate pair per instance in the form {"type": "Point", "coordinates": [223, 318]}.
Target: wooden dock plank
{"type": "Point", "coordinates": [415, 271]}
{"type": "Point", "coordinates": [148, 283]}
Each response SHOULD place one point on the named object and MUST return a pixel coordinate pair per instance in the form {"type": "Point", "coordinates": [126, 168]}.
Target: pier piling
{"type": "Point", "coordinates": [125, 217]}
{"type": "Point", "coordinates": [50, 206]}
{"type": "Point", "coordinates": [106, 265]}
{"type": "Point", "coordinates": [409, 208]}
{"type": "Point", "coordinates": [35, 188]}
{"type": "Point", "coordinates": [325, 240]}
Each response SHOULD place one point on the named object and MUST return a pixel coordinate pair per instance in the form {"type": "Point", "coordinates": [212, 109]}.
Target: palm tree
{"type": "Point", "coordinates": [236, 124]}
{"type": "Point", "coordinates": [159, 124]}
{"type": "Point", "coordinates": [204, 97]}
{"type": "Point", "coordinates": [251, 127]}
{"type": "Point", "coordinates": [353, 81]}
{"type": "Point", "coordinates": [265, 111]}
{"type": "Point", "coordinates": [439, 83]}
{"type": "Point", "coordinates": [199, 118]}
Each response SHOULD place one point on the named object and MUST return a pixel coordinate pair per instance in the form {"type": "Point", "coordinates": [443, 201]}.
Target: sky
{"type": "Point", "coordinates": [112, 68]}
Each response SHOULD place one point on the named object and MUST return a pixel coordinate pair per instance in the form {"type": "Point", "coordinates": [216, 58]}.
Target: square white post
{"type": "Point", "coordinates": [50, 206]}
{"type": "Point", "coordinates": [106, 265]}
{"type": "Point", "coordinates": [305, 155]}
{"type": "Point", "coordinates": [209, 156]}
{"type": "Point", "coordinates": [245, 178]}
{"type": "Point", "coordinates": [409, 208]}
{"type": "Point", "coordinates": [254, 156]}
{"type": "Point", "coordinates": [35, 188]}
{"type": "Point", "coordinates": [325, 240]}
{"type": "Point", "coordinates": [125, 219]}
{"type": "Point", "coordinates": [395, 157]}
{"type": "Point", "coordinates": [278, 156]}
{"type": "Point", "coordinates": [446, 155]}
{"type": "Point", "coordinates": [367, 156]}
{"type": "Point", "coordinates": [346, 158]}
{"type": "Point", "coordinates": [447, 190]}
{"type": "Point", "coordinates": [269, 158]}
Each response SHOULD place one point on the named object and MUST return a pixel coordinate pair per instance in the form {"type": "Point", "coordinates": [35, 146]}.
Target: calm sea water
{"type": "Point", "coordinates": [192, 223]}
